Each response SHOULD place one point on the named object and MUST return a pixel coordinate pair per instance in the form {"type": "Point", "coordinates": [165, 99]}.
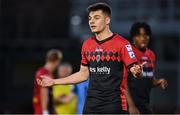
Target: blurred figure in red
{"type": "Point", "coordinates": [140, 88]}
{"type": "Point", "coordinates": [42, 97]}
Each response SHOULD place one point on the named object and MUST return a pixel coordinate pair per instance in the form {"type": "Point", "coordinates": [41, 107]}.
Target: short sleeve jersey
{"type": "Point", "coordinates": [37, 94]}
{"type": "Point", "coordinates": [106, 60]}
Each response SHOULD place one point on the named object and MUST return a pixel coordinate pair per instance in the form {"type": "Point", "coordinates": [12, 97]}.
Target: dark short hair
{"type": "Point", "coordinates": [54, 55]}
{"type": "Point", "coordinates": [100, 6]}
{"type": "Point", "coordinates": [136, 27]}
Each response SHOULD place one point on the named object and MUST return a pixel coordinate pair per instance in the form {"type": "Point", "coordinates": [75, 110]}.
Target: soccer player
{"type": "Point", "coordinates": [103, 58]}
{"type": "Point", "coordinates": [65, 100]}
{"type": "Point", "coordinates": [42, 96]}
{"type": "Point", "coordinates": [140, 88]}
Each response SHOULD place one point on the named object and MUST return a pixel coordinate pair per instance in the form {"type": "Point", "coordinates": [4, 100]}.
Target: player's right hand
{"type": "Point", "coordinates": [45, 81]}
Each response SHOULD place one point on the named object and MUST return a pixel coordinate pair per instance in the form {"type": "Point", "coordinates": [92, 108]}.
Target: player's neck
{"type": "Point", "coordinates": [48, 67]}
{"type": "Point", "coordinates": [103, 35]}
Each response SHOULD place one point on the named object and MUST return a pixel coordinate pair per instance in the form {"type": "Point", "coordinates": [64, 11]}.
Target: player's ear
{"type": "Point", "coordinates": [108, 20]}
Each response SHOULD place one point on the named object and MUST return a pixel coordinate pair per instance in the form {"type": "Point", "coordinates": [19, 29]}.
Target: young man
{"type": "Point", "coordinates": [42, 96]}
{"type": "Point", "coordinates": [103, 58]}
{"type": "Point", "coordinates": [139, 88]}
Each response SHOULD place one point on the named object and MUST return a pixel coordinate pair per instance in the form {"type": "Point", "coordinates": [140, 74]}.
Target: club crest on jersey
{"type": "Point", "coordinates": [98, 56]}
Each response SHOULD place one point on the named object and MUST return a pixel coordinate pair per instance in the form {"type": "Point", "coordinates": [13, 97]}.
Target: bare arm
{"type": "Point", "coordinates": [61, 99]}
{"type": "Point", "coordinates": [71, 96]}
{"type": "Point", "coordinates": [44, 99]}
{"type": "Point", "coordinates": [77, 77]}
{"type": "Point", "coordinates": [132, 108]}
{"type": "Point", "coordinates": [160, 82]}
{"type": "Point", "coordinates": [155, 82]}
{"type": "Point", "coordinates": [128, 96]}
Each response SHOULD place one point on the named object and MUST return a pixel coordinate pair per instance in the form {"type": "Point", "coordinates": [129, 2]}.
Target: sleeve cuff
{"type": "Point", "coordinates": [84, 64]}
{"type": "Point", "coordinates": [130, 65]}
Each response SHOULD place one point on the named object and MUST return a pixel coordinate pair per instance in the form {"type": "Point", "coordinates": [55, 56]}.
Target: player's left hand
{"type": "Point", "coordinates": [136, 70]}
{"type": "Point", "coordinates": [163, 83]}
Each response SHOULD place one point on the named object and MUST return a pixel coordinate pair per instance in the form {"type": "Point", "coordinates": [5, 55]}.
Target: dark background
{"type": "Point", "coordinates": [29, 28]}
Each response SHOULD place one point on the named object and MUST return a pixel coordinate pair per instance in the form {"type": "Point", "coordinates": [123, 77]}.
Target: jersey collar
{"type": "Point", "coordinates": [105, 40]}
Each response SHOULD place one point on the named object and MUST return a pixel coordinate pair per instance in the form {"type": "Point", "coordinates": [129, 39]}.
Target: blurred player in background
{"type": "Point", "coordinates": [42, 99]}
{"type": "Point", "coordinates": [140, 88]}
{"type": "Point", "coordinates": [104, 57]}
{"type": "Point", "coordinates": [64, 99]}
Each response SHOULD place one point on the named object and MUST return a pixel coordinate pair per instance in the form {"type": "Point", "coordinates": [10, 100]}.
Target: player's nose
{"type": "Point", "coordinates": [91, 22]}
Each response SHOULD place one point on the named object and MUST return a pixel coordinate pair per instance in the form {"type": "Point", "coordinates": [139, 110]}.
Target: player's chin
{"type": "Point", "coordinates": [94, 31]}
{"type": "Point", "coordinates": [143, 46]}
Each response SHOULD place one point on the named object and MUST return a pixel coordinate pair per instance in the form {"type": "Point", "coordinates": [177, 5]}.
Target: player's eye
{"type": "Point", "coordinates": [89, 18]}
{"type": "Point", "coordinates": [97, 17]}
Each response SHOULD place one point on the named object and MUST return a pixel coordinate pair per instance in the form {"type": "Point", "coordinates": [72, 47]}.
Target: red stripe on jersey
{"type": "Point", "coordinates": [123, 90]}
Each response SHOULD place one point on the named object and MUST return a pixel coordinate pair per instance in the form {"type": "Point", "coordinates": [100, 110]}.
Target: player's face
{"type": "Point", "coordinates": [142, 40]}
{"type": "Point", "coordinates": [98, 21]}
{"type": "Point", "coordinates": [63, 71]}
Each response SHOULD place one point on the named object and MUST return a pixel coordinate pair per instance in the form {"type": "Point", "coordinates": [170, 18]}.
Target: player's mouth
{"type": "Point", "coordinates": [143, 45]}
{"type": "Point", "coordinates": [93, 27]}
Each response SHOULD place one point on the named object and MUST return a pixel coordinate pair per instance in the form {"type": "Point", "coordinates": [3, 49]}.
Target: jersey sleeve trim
{"type": "Point", "coordinates": [130, 65]}
{"type": "Point", "coordinates": [84, 64]}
